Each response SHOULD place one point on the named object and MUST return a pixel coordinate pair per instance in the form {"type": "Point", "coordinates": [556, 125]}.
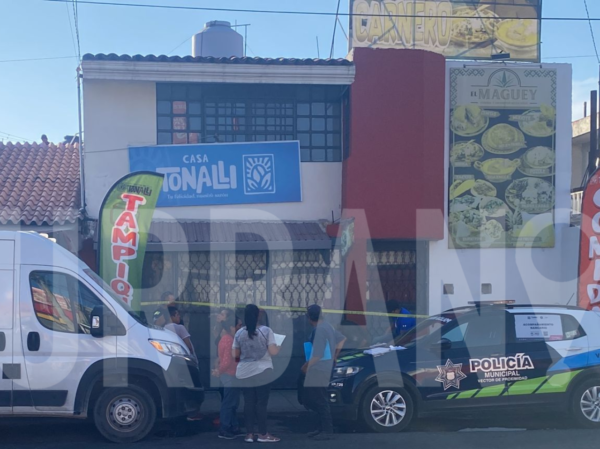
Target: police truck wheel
{"type": "Point", "coordinates": [386, 410]}
{"type": "Point", "coordinates": [586, 404]}
{"type": "Point", "coordinates": [124, 415]}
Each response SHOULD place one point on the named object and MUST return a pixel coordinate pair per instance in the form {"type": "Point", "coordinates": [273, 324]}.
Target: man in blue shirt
{"type": "Point", "coordinates": [326, 345]}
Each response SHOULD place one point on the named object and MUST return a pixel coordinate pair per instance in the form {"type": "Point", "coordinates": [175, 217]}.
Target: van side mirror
{"type": "Point", "coordinates": [104, 323]}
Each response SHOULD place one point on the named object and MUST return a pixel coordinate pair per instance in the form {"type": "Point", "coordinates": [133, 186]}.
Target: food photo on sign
{"type": "Point", "coordinates": [457, 29]}
{"type": "Point", "coordinates": [502, 158]}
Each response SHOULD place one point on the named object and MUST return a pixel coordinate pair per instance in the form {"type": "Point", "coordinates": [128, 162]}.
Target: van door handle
{"type": "Point", "coordinates": [33, 341]}
{"type": "Point", "coordinates": [574, 349]}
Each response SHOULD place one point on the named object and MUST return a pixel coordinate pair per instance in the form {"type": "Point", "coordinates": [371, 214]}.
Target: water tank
{"type": "Point", "coordinates": [219, 40]}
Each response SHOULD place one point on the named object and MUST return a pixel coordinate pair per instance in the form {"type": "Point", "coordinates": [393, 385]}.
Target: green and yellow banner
{"type": "Point", "coordinates": [125, 218]}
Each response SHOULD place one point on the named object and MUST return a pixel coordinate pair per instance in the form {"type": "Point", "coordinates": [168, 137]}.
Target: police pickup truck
{"type": "Point", "coordinates": [487, 355]}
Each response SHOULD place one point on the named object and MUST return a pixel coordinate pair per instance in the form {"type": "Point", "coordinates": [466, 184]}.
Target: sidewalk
{"type": "Point", "coordinates": [280, 401]}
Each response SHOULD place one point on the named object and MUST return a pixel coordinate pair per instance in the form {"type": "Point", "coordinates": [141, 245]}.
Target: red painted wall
{"type": "Point", "coordinates": [396, 162]}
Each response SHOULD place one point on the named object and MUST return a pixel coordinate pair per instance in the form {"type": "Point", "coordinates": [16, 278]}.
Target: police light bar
{"type": "Point", "coordinates": [499, 302]}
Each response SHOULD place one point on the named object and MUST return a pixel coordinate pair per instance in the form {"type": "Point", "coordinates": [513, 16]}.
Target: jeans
{"type": "Point", "coordinates": [256, 391]}
{"type": "Point", "coordinates": [315, 398]}
{"type": "Point", "coordinates": [229, 404]}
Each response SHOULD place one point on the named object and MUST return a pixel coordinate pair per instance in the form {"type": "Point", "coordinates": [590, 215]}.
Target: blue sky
{"type": "Point", "coordinates": [39, 97]}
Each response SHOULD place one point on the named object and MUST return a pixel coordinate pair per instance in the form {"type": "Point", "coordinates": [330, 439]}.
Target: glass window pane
{"type": "Point", "coordinates": [85, 306]}
{"type": "Point", "coordinates": [180, 123]}
{"type": "Point", "coordinates": [334, 109]}
{"type": "Point", "coordinates": [52, 301]}
{"type": "Point", "coordinates": [318, 124]}
{"type": "Point", "coordinates": [304, 140]}
{"type": "Point", "coordinates": [178, 92]}
{"type": "Point", "coordinates": [195, 123]}
{"type": "Point", "coordinates": [179, 107]}
{"type": "Point", "coordinates": [163, 91]}
{"type": "Point", "coordinates": [303, 124]}
{"type": "Point", "coordinates": [194, 138]}
{"type": "Point", "coordinates": [333, 140]}
{"type": "Point", "coordinates": [163, 107]}
{"type": "Point", "coordinates": [240, 138]}
{"type": "Point", "coordinates": [303, 109]}
{"type": "Point", "coordinates": [334, 155]}
{"type": "Point", "coordinates": [318, 140]}
{"type": "Point", "coordinates": [179, 138]}
{"type": "Point", "coordinates": [318, 155]}
{"type": "Point", "coordinates": [195, 108]}
{"type": "Point", "coordinates": [164, 123]}
{"type": "Point", "coordinates": [163, 139]}
{"type": "Point", "coordinates": [305, 155]}
{"type": "Point", "coordinates": [334, 124]}
{"type": "Point", "coordinates": [194, 92]}
{"type": "Point", "coordinates": [318, 108]}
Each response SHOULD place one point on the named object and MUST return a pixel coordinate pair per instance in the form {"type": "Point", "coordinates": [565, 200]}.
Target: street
{"type": "Point", "coordinates": [290, 423]}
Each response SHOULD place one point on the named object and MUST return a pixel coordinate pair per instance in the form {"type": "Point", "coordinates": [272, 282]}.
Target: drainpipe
{"type": "Point", "coordinates": [80, 146]}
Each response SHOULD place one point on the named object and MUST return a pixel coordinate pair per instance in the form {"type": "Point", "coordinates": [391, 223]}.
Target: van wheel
{"type": "Point", "coordinates": [124, 415]}
{"type": "Point", "coordinates": [586, 404]}
{"type": "Point", "coordinates": [386, 410]}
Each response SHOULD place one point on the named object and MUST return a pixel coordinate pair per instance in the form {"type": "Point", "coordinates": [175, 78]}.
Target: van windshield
{"type": "Point", "coordinates": [431, 326]}
{"type": "Point", "coordinates": [138, 316]}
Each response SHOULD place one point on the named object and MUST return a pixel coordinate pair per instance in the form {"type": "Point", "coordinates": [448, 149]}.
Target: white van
{"type": "Point", "coordinates": [69, 347]}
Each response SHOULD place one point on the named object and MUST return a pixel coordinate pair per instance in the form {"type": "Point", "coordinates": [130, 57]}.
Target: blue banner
{"type": "Point", "coordinates": [214, 174]}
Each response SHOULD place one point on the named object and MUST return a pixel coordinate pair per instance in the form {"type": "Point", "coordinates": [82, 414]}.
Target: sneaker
{"type": "Point", "coordinates": [238, 432]}
{"type": "Point", "coordinates": [313, 434]}
{"type": "Point", "coordinates": [249, 438]}
{"type": "Point", "coordinates": [323, 437]}
{"type": "Point", "coordinates": [268, 438]}
{"type": "Point", "coordinates": [226, 436]}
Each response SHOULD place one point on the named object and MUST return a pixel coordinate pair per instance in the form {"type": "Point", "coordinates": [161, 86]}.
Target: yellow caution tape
{"type": "Point", "coordinates": [289, 309]}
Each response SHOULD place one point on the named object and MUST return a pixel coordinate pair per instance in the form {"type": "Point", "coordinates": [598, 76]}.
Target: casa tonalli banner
{"type": "Point", "coordinates": [502, 171]}
{"type": "Point", "coordinates": [125, 218]}
{"type": "Point", "coordinates": [474, 29]}
{"type": "Point", "coordinates": [589, 246]}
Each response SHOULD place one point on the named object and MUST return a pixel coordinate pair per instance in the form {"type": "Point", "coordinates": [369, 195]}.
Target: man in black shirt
{"type": "Point", "coordinates": [326, 345]}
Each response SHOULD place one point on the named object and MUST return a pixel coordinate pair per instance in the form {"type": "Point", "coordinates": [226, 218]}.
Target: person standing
{"type": "Point", "coordinates": [226, 369]}
{"type": "Point", "coordinates": [176, 326]}
{"type": "Point", "coordinates": [253, 346]}
{"type": "Point", "coordinates": [326, 346]}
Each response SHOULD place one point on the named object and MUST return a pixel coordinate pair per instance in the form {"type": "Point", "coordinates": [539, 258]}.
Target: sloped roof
{"type": "Point", "coordinates": [243, 235]}
{"type": "Point", "coordinates": [39, 184]}
{"type": "Point", "coordinates": [213, 60]}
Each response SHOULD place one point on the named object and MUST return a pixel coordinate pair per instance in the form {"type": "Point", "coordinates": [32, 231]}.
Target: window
{"type": "Point", "coordinates": [52, 302]}
{"type": "Point", "coordinates": [485, 330]}
{"type": "Point", "coordinates": [85, 305]}
{"type": "Point", "coordinates": [547, 327]}
{"type": "Point", "coordinates": [61, 303]}
{"type": "Point", "coordinates": [456, 335]}
{"type": "Point", "coordinates": [207, 113]}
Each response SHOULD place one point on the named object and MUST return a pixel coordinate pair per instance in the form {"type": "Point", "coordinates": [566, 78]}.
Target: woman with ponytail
{"type": "Point", "coordinates": [253, 346]}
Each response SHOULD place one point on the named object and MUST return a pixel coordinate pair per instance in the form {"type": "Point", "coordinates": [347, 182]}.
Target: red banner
{"type": "Point", "coordinates": [589, 246]}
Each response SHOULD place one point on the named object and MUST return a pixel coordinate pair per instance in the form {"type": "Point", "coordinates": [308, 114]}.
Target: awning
{"type": "Point", "coordinates": [236, 235]}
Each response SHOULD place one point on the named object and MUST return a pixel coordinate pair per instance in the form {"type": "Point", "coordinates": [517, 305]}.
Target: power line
{"type": "Point", "coordinates": [37, 59]}
{"type": "Point", "coordinates": [587, 12]}
{"type": "Point", "coordinates": [307, 13]}
{"type": "Point", "coordinates": [71, 27]}
{"type": "Point", "coordinates": [9, 135]}
{"type": "Point", "coordinates": [76, 19]}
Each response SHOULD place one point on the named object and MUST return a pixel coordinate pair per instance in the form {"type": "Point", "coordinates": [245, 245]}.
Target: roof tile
{"type": "Point", "coordinates": [39, 184]}
{"type": "Point", "coordinates": [212, 60]}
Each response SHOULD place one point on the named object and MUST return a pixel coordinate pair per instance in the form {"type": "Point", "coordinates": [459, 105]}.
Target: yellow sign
{"type": "Point", "coordinates": [477, 29]}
